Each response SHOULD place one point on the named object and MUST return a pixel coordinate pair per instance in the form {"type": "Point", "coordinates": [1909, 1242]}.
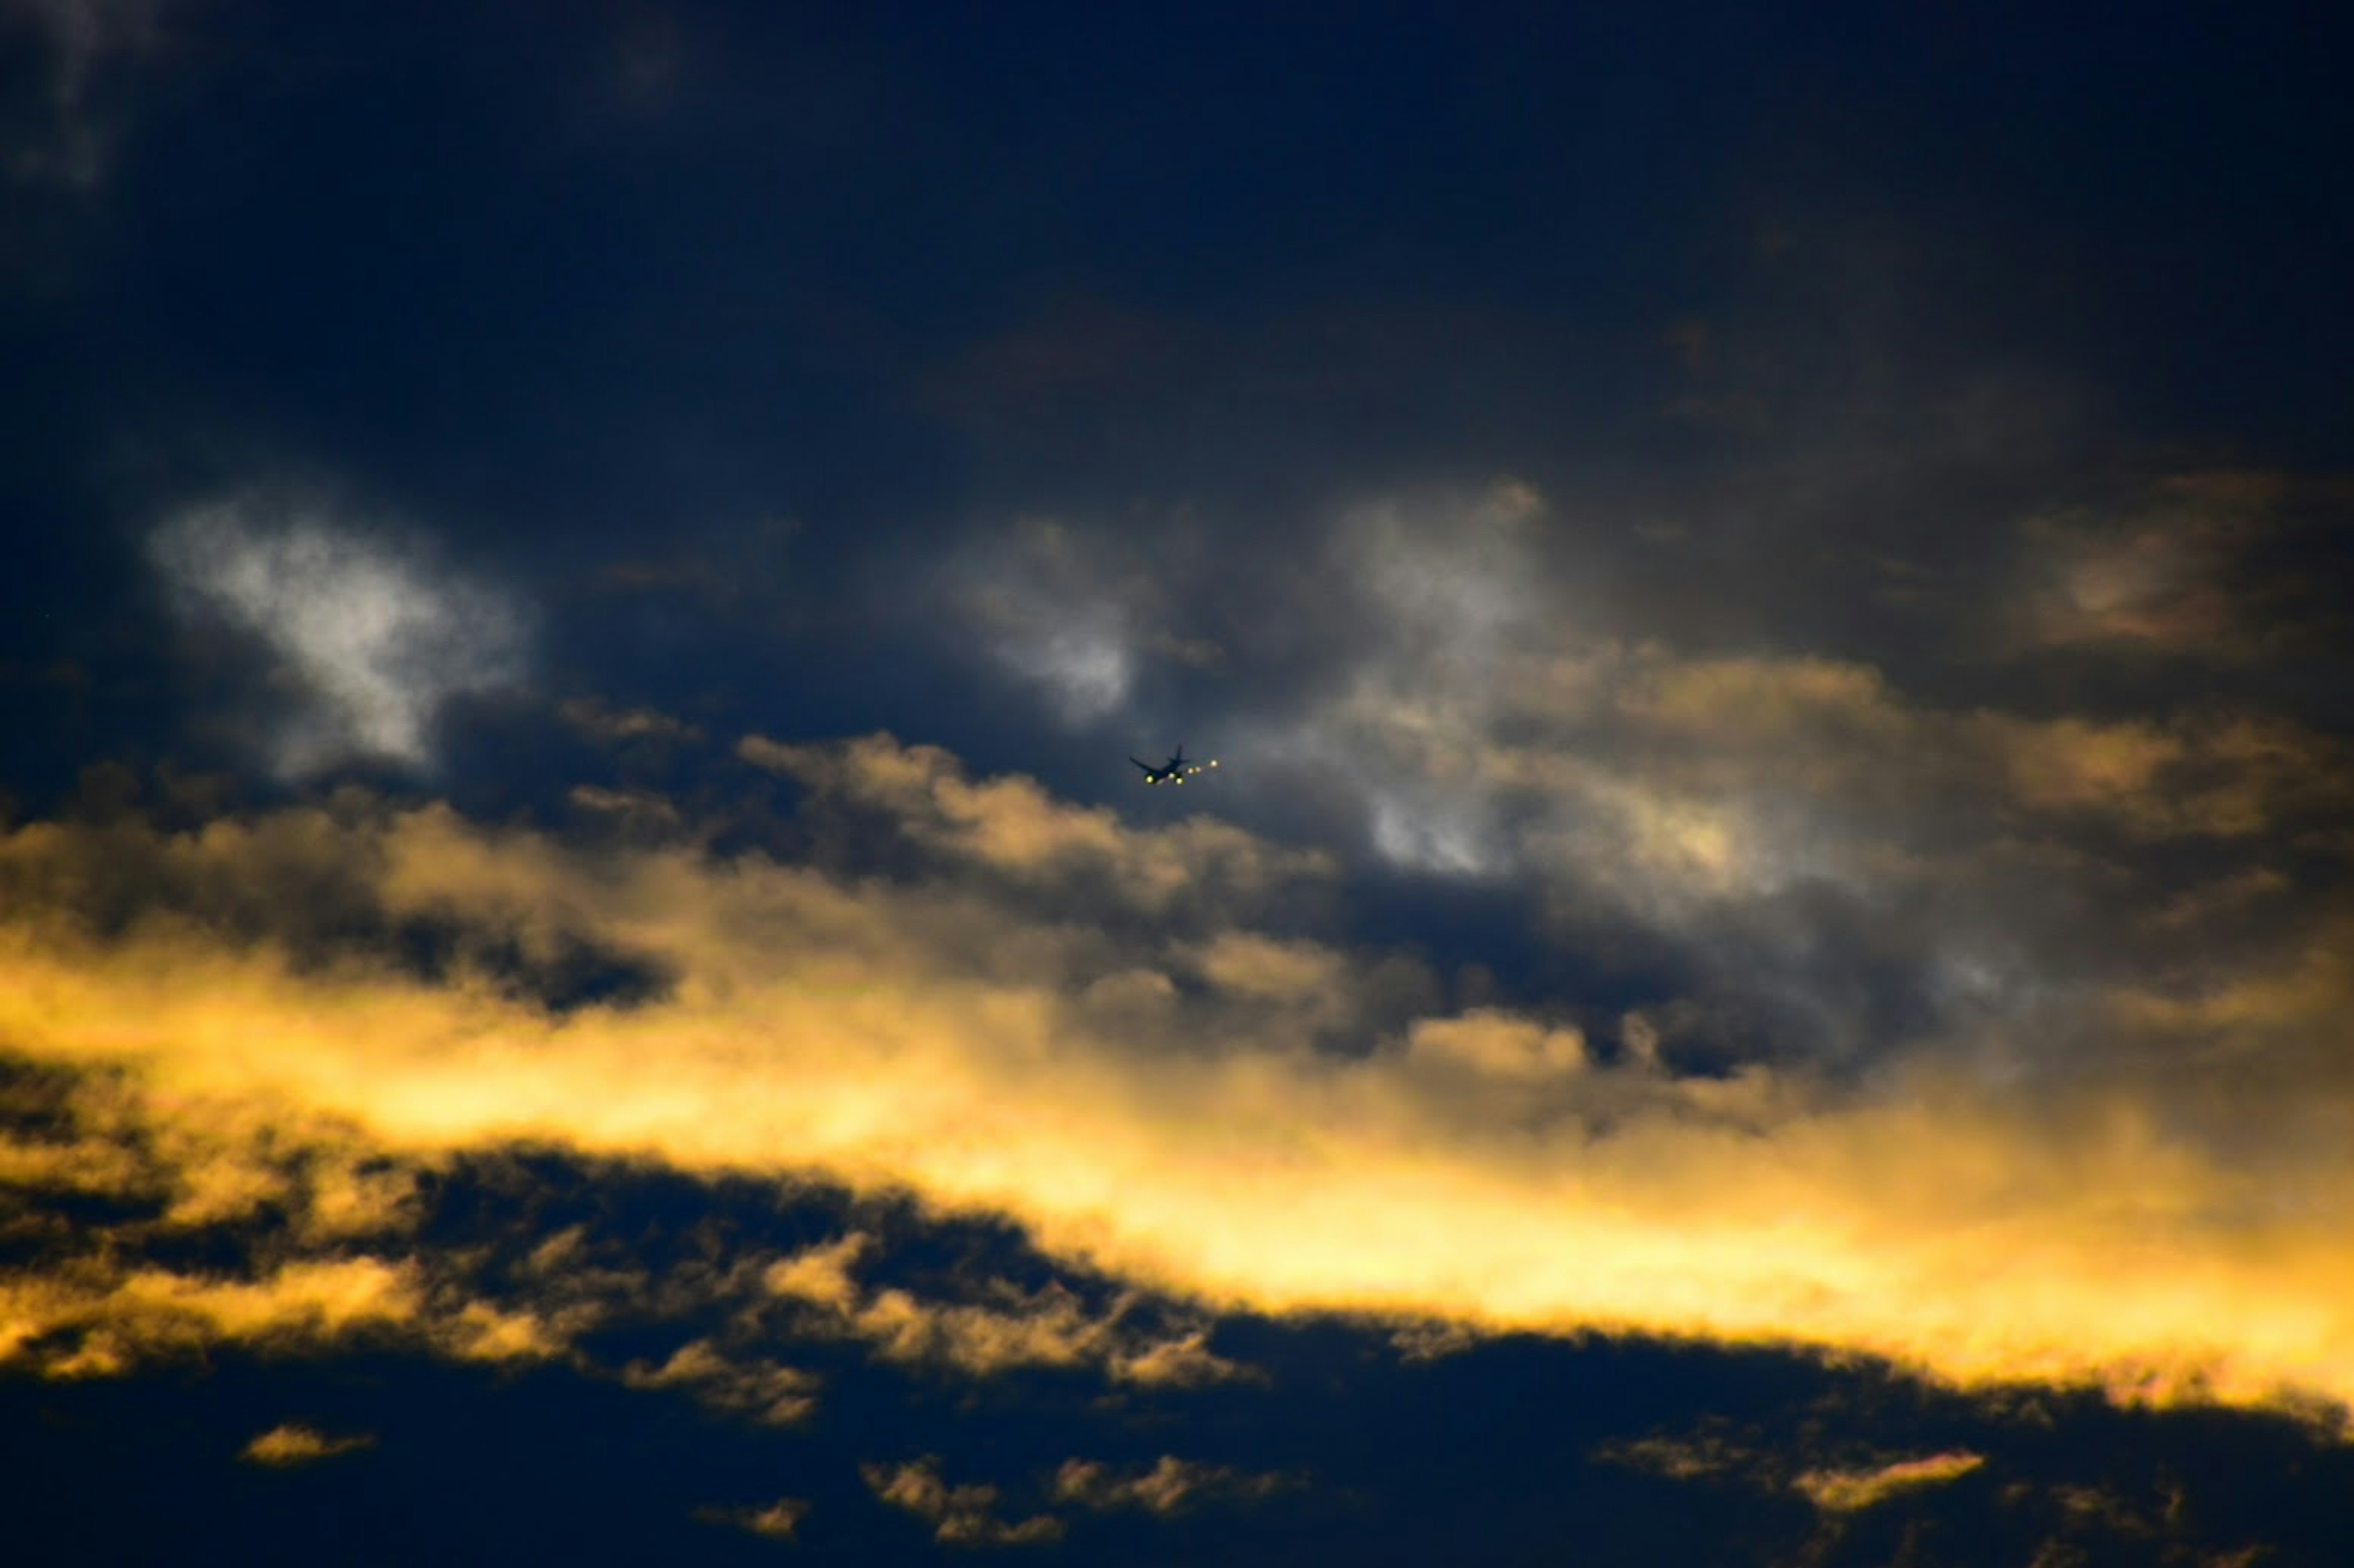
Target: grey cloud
{"type": "Point", "coordinates": [374, 633]}
{"type": "Point", "coordinates": [1817, 848]}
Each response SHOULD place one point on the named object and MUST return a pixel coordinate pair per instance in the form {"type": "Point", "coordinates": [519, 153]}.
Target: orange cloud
{"type": "Point", "coordinates": [1168, 1485]}
{"type": "Point", "coordinates": [937, 1037]}
{"type": "Point", "coordinates": [1017, 1329]}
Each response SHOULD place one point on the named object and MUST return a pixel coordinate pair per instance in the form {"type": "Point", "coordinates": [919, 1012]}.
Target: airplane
{"type": "Point", "coordinates": [1176, 770]}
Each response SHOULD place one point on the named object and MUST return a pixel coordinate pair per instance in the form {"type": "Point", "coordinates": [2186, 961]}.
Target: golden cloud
{"type": "Point", "coordinates": [1048, 1328]}
{"type": "Point", "coordinates": [960, 1515]}
{"type": "Point", "coordinates": [1166, 1487]}
{"type": "Point", "coordinates": [936, 1037]}
{"type": "Point", "coordinates": [295, 1444]}
{"type": "Point", "coordinates": [762, 1390]}
{"type": "Point", "coordinates": [1011, 825]}
{"type": "Point", "coordinates": [1852, 1490]}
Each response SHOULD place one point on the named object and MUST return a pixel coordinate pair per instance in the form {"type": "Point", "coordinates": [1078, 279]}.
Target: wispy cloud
{"type": "Point", "coordinates": [1009, 1327]}
{"type": "Point", "coordinates": [960, 1515]}
{"type": "Point", "coordinates": [295, 1444]}
{"type": "Point", "coordinates": [776, 1521]}
{"type": "Point", "coordinates": [374, 633]}
{"type": "Point", "coordinates": [1852, 1490]}
{"type": "Point", "coordinates": [1843, 1487]}
{"type": "Point", "coordinates": [755, 1387]}
{"type": "Point", "coordinates": [1168, 1485]}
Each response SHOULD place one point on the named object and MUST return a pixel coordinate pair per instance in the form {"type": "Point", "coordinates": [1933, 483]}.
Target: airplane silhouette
{"type": "Point", "coordinates": [1176, 770]}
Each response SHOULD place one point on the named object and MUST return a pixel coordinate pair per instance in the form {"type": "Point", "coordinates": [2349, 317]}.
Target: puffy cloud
{"type": "Point", "coordinates": [294, 1443]}
{"type": "Point", "coordinates": [375, 634]}
{"type": "Point", "coordinates": [1487, 1041]}
{"type": "Point", "coordinates": [1963, 1211]}
{"type": "Point", "coordinates": [960, 1515]}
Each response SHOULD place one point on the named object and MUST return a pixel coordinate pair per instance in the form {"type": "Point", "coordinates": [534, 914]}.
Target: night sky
{"type": "Point", "coordinates": [1765, 977]}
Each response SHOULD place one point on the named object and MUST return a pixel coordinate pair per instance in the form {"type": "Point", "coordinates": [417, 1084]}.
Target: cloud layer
{"type": "Point", "coordinates": [1152, 1104]}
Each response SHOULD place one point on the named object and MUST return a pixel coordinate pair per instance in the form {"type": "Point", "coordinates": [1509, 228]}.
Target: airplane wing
{"type": "Point", "coordinates": [1148, 768]}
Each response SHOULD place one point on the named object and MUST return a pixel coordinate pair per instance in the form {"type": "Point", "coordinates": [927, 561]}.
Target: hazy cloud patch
{"type": "Point", "coordinates": [84, 37]}
{"type": "Point", "coordinates": [1057, 608]}
{"type": "Point", "coordinates": [616, 727]}
{"type": "Point", "coordinates": [374, 633]}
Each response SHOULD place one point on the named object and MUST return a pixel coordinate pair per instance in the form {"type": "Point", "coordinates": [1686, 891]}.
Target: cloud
{"type": "Point", "coordinates": [960, 1515]}
{"type": "Point", "coordinates": [1704, 1452]}
{"type": "Point", "coordinates": [2188, 567]}
{"type": "Point", "coordinates": [89, 1320]}
{"type": "Point", "coordinates": [776, 1520]}
{"type": "Point", "coordinates": [83, 38]}
{"type": "Point", "coordinates": [1963, 1211]}
{"type": "Point", "coordinates": [759, 1389]}
{"type": "Point", "coordinates": [1852, 1490]}
{"type": "Point", "coordinates": [617, 726]}
{"type": "Point", "coordinates": [1713, 1452]}
{"type": "Point", "coordinates": [1009, 1328]}
{"type": "Point", "coordinates": [1055, 612]}
{"type": "Point", "coordinates": [1010, 827]}
{"type": "Point", "coordinates": [375, 634]}
{"type": "Point", "coordinates": [1167, 1487]}
{"type": "Point", "coordinates": [294, 1443]}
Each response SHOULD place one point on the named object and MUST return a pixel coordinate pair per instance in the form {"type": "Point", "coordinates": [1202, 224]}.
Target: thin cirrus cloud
{"type": "Point", "coordinates": [2166, 1218]}
{"type": "Point", "coordinates": [374, 633]}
